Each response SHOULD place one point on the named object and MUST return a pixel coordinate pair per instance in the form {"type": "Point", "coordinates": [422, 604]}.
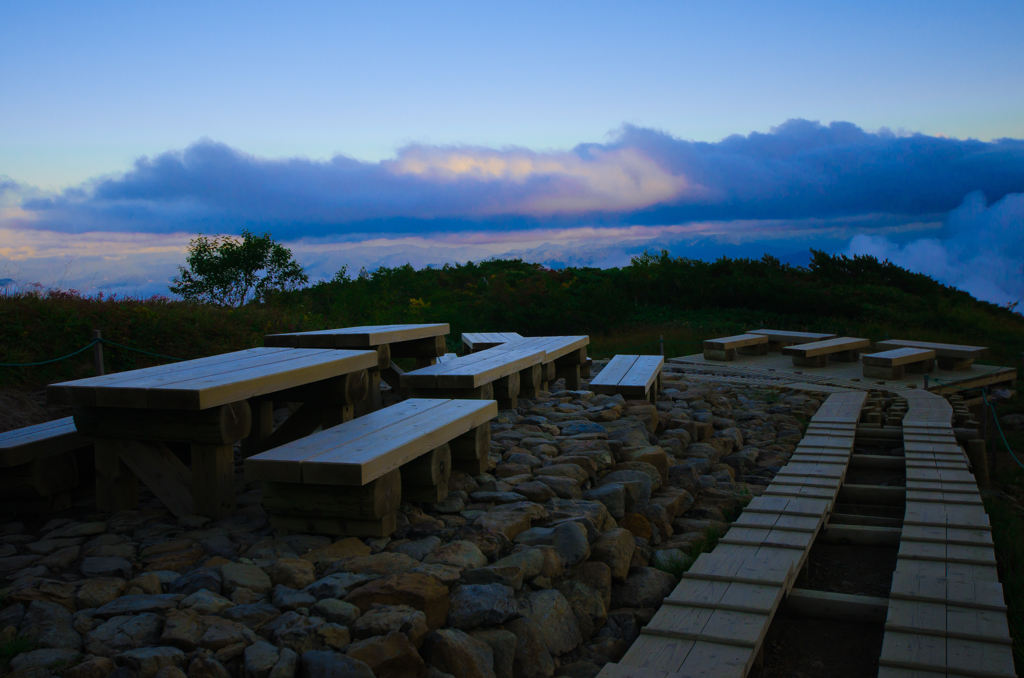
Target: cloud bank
{"type": "Point", "coordinates": [799, 170]}
{"type": "Point", "coordinates": [803, 184]}
{"type": "Point", "coordinates": [979, 250]}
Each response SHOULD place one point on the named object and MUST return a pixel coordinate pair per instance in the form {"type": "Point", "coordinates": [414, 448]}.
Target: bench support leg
{"type": "Point", "coordinates": [117, 488]}
{"type": "Point", "coordinates": [922, 367]}
{"type": "Point", "coordinates": [756, 349]}
{"type": "Point", "coordinates": [878, 372]}
{"type": "Point", "coordinates": [851, 356]}
{"type": "Point", "coordinates": [213, 480]}
{"type": "Point", "coordinates": [714, 354]}
{"type": "Point", "coordinates": [571, 374]}
{"type": "Point", "coordinates": [530, 381]}
{"type": "Point", "coordinates": [815, 361]}
{"type": "Point", "coordinates": [955, 363]}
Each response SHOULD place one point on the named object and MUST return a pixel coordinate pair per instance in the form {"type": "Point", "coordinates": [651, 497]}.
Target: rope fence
{"type": "Point", "coordinates": [86, 348]}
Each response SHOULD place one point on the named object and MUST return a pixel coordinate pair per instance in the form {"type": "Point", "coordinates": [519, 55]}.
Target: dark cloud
{"type": "Point", "coordinates": [799, 170]}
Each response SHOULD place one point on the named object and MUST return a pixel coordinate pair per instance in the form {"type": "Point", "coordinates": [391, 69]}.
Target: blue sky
{"type": "Point", "coordinates": [372, 133]}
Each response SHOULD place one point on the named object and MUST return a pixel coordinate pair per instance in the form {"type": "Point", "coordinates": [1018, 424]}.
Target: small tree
{"type": "Point", "coordinates": [232, 271]}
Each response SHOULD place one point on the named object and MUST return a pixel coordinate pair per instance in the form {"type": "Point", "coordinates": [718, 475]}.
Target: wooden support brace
{"type": "Point", "coordinates": [117, 487]}
{"type": "Point", "coordinates": [213, 480]}
{"type": "Point", "coordinates": [837, 606]}
{"type": "Point", "coordinates": [262, 427]}
{"type": "Point", "coordinates": [162, 472]}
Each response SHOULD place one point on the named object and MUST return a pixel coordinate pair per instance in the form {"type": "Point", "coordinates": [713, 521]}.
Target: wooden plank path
{"type": "Point", "coordinates": [714, 622]}
{"type": "Point", "coordinates": [947, 614]}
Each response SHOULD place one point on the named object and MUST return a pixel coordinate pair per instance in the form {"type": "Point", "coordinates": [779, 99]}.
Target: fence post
{"type": "Point", "coordinates": [97, 353]}
{"type": "Point", "coordinates": [661, 344]}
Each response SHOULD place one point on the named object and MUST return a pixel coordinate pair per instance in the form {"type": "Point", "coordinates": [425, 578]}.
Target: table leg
{"type": "Point", "coordinates": [262, 427]}
{"type": "Point", "coordinates": [213, 480]}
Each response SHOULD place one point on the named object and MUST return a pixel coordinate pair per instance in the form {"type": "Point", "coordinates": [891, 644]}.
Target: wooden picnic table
{"type": "Point", "coordinates": [137, 420]}
{"type": "Point", "coordinates": [425, 343]}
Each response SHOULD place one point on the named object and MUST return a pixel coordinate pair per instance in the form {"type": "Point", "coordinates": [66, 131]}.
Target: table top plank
{"type": "Point", "coordinates": [898, 356]}
{"type": "Point", "coordinates": [614, 371]}
{"type": "Point", "coordinates": [494, 367]}
{"type": "Point", "coordinates": [737, 341]}
{"type": "Point", "coordinates": [357, 337]}
{"type": "Point", "coordinates": [642, 375]}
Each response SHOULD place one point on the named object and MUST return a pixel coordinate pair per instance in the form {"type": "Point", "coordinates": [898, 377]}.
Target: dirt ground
{"type": "Point", "coordinates": [19, 409]}
{"type": "Point", "coordinates": [817, 648]}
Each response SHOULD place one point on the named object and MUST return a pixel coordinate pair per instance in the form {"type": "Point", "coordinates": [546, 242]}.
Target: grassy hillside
{"type": "Point", "coordinates": [625, 308]}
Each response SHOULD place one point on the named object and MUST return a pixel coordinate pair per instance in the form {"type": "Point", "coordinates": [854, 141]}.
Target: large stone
{"type": "Point", "coordinates": [636, 483]}
{"type": "Point", "coordinates": [549, 610]}
{"type": "Point", "coordinates": [474, 605]}
{"type": "Point", "coordinates": [286, 665]}
{"type": "Point", "coordinates": [240, 575]}
{"type": "Point", "coordinates": [530, 560]}
{"type": "Point", "coordinates": [182, 629]}
{"type": "Point", "coordinates": [61, 559]}
{"type": "Point", "coordinates": [597, 576]}
{"type": "Point", "coordinates": [458, 653]}
{"type": "Point", "coordinates": [106, 567]}
{"type": "Point", "coordinates": [328, 664]}
{"type": "Point", "coordinates": [615, 549]}
{"type": "Point", "coordinates": [294, 631]}
{"type": "Point", "coordinates": [420, 548]}
{"type": "Point", "coordinates": [378, 564]}
{"type": "Point", "coordinates": [97, 667]}
{"type": "Point", "coordinates": [260, 659]}
{"type": "Point", "coordinates": [208, 578]}
{"type": "Point", "coordinates": [338, 585]}
{"type": "Point", "coordinates": [389, 656]}
{"type": "Point", "coordinates": [295, 573]}
{"type": "Point", "coordinates": [147, 661]}
{"type": "Point", "coordinates": [220, 633]}
{"type": "Point", "coordinates": [338, 611]}
{"type": "Point", "coordinates": [139, 604]}
{"type": "Point", "coordinates": [571, 471]}
{"type": "Point", "coordinates": [459, 553]}
{"type": "Point", "coordinates": [124, 633]}
{"type": "Point", "coordinates": [566, 488]}
{"type": "Point", "coordinates": [50, 625]}
{"type": "Point", "coordinates": [507, 575]}
{"type": "Point", "coordinates": [285, 598]}
{"type": "Point", "coordinates": [51, 658]}
{"type": "Point", "coordinates": [98, 592]}
{"type": "Point", "coordinates": [645, 587]}
{"type": "Point", "coordinates": [207, 665]}
{"type": "Point", "coordinates": [534, 491]}
{"type": "Point", "coordinates": [206, 602]}
{"type": "Point", "coordinates": [380, 620]}
{"type": "Point", "coordinates": [46, 590]}
{"type": "Point", "coordinates": [569, 539]}
{"type": "Point", "coordinates": [503, 649]}
{"type": "Point", "coordinates": [586, 603]}
{"type": "Point", "coordinates": [77, 530]}
{"type": "Point", "coordinates": [613, 496]}
{"type": "Point", "coordinates": [253, 615]}
{"type": "Point", "coordinates": [532, 658]}
{"type": "Point", "coordinates": [425, 593]}
{"type": "Point", "coordinates": [508, 523]}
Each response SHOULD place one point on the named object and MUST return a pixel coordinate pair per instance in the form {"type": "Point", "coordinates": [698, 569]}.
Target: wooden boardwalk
{"type": "Point", "coordinates": [715, 620]}
{"type": "Point", "coordinates": [947, 615]}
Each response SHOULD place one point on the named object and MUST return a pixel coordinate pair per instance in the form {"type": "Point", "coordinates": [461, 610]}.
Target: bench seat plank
{"type": "Point", "coordinates": [898, 356]}
{"type": "Point", "coordinates": [359, 451]}
{"type": "Point", "coordinates": [23, 445]}
{"type": "Point", "coordinates": [788, 337]}
{"type": "Point", "coordinates": [738, 341]}
{"type": "Point", "coordinates": [826, 347]}
{"type": "Point", "coordinates": [941, 350]}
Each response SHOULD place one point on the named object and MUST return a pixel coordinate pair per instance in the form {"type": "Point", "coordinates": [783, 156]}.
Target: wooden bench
{"type": "Point", "coordinates": [779, 339]}
{"type": "Point", "coordinates": [725, 348]}
{"type": "Point", "coordinates": [481, 341]}
{"type": "Point", "coordinates": [40, 466]}
{"type": "Point", "coordinates": [351, 479]}
{"type": "Point", "coordinates": [632, 376]}
{"type": "Point", "coordinates": [492, 374]}
{"type": "Point", "coordinates": [564, 358]}
{"type": "Point", "coordinates": [892, 364]}
{"type": "Point", "coordinates": [818, 353]}
{"type": "Point", "coordinates": [949, 356]}
{"type": "Point", "coordinates": [424, 343]}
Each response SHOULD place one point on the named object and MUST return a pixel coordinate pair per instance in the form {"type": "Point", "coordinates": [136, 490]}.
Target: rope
{"type": "Point", "coordinates": [55, 360]}
{"type": "Point", "coordinates": [139, 350]}
{"type": "Point", "coordinates": [87, 347]}
{"type": "Point", "coordinates": [984, 394]}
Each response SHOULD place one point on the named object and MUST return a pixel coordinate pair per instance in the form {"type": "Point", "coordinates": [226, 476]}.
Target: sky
{"type": "Point", "coordinates": [368, 134]}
